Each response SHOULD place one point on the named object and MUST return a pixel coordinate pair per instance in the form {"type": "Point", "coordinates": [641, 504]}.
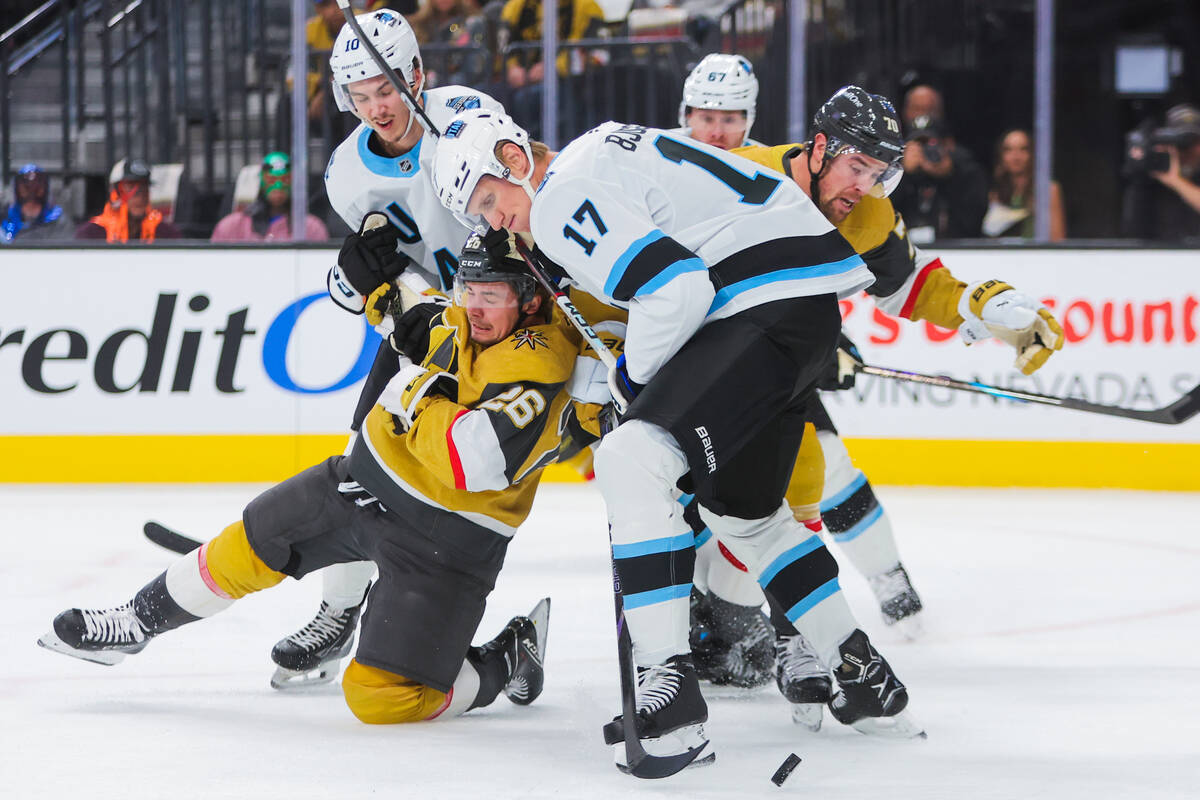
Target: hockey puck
{"type": "Point", "coordinates": [785, 769]}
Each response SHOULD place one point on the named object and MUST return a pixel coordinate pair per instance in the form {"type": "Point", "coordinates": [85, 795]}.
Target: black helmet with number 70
{"type": "Point", "coordinates": [854, 120]}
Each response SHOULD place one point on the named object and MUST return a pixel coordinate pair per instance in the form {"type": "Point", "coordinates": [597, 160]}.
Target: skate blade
{"type": "Point", "coordinates": [900, 726]}
{"type": "Point", "coordinates": [703, 761]}
{"type": "Point", "coordinates": [673, 745]}
{"type": "Point", "coordinates": [290, 680]}
{"type": "Point", "coordinates": [808, 715]}
{"type": "Point", "coordinates": [50, 641]}
{"type": "Point", "coordinates": [540, 617]}
{"type": "Point", "coordinates": [910, 627]}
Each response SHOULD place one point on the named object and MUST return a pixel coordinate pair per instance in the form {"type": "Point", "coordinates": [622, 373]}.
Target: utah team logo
{"type": "Point", "coordinates": [527, 337]}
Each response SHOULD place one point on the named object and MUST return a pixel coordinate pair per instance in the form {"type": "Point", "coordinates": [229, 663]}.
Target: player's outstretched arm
{"type": "Point", "coordinates": [994, 309]}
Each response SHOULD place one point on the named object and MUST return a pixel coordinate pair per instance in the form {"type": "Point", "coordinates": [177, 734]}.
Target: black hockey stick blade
{"type": "Point", "coordinates": [163, 536]}
{"type": "Point", "coordinates": [638, 762]}
{"type": "Point", "coordinates": [1181, 410]}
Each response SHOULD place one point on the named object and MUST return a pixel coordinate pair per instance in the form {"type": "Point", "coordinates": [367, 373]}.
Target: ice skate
{"type": "Point", "coordinates": [870, 698]}
{"type": "Point", "coordinates": [802, 679]}
{"type": "Point", "coordinates": [101, 636]}
{"type": "Point", "coordinates": [313, 655]}
{"type": "Point", "coordinates": [670, 714]}
{"type": "Point", "coordinates": [731, 644]}
{"type": "Point", "coordinates": [522, 645]}
{"type": "Point", "coordinates": [898, 601]}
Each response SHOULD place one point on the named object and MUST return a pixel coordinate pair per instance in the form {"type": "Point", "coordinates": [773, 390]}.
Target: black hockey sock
{"type": "Point", "coordinates": [156, 610]}
{"type": "Point", "coordinates": [494, 671]}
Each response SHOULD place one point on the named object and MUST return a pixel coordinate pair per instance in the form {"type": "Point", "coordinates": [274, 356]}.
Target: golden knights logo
{"type": "Point", "coordinates": [533, 339]}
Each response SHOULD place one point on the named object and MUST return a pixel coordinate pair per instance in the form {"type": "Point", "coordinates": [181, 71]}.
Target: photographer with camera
{"type": "Point", "coordinates": [944, 191]}
{"type": "Point", "coordinates": [1166, 208]}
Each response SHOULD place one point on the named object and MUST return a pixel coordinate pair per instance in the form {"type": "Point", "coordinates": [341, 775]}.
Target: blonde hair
{"type": "Point", "coordinates": [538, 149]}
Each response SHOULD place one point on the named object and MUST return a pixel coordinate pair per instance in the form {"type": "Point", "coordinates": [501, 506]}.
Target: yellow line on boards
{"type": "Point", "coordinates": [908, 462]}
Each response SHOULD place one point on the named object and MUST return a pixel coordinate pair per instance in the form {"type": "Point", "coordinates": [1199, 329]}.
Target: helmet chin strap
{"type": "Point", "coordinates": [412, 109]}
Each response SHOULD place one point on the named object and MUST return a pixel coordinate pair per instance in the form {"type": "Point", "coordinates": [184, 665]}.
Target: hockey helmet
{"type": "Point", "coordinates": [350, 61]}
{"type": "Point", "coordinates": [856, 121]}
{"type": "Point", "coordinates": [476, 265]}
{"type": "Point", "coordinates": [722, 82]}
{"type": "Point", "coordinates": [466, 152]}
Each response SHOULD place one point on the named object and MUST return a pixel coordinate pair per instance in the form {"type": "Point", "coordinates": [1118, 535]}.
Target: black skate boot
{"type": "Point", "coordinates": [802, 679]}
{"type": "Point", "coordinates": [870, 697]}
{"type": "Point", "coordinates": [516, 655]}
{"type": "Point", "coordinates": [103, 636]}
{"type": "Point", "coordinates": [898, 600]}
{"type": "Point", "coordinates": [670, 715]}
{"type": "Point", "coordinates": [313, 655]}
{"type": "Point", "coordinates": [731, 644]}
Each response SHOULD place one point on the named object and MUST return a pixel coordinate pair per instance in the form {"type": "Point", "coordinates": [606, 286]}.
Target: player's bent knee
{"type": "Point", "coordinates": [379, 697]}
{"type": "Point", "coordinates": [234, 565]}
{"type": "Point", "coordinates": [636, 448]}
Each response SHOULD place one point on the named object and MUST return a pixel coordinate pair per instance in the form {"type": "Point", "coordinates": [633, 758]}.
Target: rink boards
{"type": "Point", "coordinates": [232, 365]}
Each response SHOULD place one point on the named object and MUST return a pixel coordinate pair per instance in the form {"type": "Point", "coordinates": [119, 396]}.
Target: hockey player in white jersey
{"type": "Point", "coordinates": [720, 96]}
{"type": "Point", "coordinates": [383, 166]}
{"type": "Point", "coordinates": [731, 277]}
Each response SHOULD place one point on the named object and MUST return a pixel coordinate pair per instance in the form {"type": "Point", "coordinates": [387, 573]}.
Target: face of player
{"type": "Point", "coordinates": [383, 108]}
{"type": "Point", "coordinates": [502, 203]}
{"type": "Point", "coordinates": [1014, 153]}
{"type": "Point", "coordinates": [847, 178]}
{"type": "Point", "coordinates": [492, 310]}
{"type": "Point", "coordinates": [723, 129]}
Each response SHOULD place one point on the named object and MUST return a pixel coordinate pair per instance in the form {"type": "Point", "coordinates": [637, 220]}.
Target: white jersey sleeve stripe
{"type": "Point", "coordinates": [474, 440]}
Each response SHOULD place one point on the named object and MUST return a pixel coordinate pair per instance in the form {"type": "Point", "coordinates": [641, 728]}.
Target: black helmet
{"type": "Point", "coordinates": [476, 265]}
{"type": "Point", "coordinates": [132, 169]}
{"type": "Point", "coordinates": [867, 122]}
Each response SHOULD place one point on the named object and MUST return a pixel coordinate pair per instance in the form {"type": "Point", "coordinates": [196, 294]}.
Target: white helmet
{"type": "Point", "coordinates": [349, 61]}
{"type": "Point", "coordinates": [466, 152]}
{"type": "Point", "coordinates": [722, 82]}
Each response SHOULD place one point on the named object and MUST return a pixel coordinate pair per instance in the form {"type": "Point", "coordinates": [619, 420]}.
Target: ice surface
{"type": "Point", "coordinates": [1061, 659]}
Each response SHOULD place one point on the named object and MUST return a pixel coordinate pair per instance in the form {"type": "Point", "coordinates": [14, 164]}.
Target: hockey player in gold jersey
{"type": "Point", "coordinates": [442, 474]}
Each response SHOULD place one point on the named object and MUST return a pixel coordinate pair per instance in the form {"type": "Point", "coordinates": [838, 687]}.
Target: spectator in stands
{"type": "Point", "coordinates": [128, 215]}
{"type": "Point", "coordinates": [32, 216]}
{"type": "Point", "coordinates": [577, 19]}
{"type": "Point", "coordinates": [269, 217]}
{"type": "Point", "coordinates": [458, 24]}
{"type": "Point", "coordinates": [1167, 208]}
{"type": "Point", "coordinates": [944, 192]}
{"type": "Point", "coordinates": [1011, 201]}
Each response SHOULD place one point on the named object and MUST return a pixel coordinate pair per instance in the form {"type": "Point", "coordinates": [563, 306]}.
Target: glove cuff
{"type": "Point", "coordinates": [976, 296]}
{"type": "Point", "coordinates": [342, 293]}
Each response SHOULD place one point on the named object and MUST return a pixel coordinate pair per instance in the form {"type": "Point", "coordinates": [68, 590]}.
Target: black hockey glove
{"type": "Point", "coordinates": [411, 335]}
{"type": "Point", "coordinates": [839, 375]}
{"type": "Point", "coordinates": [369, 257]}
{"type": "Point", "coordinates": [495, 242]}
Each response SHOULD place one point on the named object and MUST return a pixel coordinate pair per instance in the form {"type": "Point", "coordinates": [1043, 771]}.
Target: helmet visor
{"type": "Point", "coordinates": [484, 295]}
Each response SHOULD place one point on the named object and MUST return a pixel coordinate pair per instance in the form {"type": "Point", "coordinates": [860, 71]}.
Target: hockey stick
{"type": "Point", "coordinates": [174, 541]}
{"type": "Point", "coordinates": [560, 298]}
{"type": "Point", "coordinates": [638, 762]}
{"type": "Point", "coordinates": [1181, 410]}
{"type": "Point", "coordinates": [389, 73]}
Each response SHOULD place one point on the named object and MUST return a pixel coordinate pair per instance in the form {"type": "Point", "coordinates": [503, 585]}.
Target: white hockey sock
{"type": "Point", "coordinates": [192, 587]}
{"type": "Point", "coordinates": [462, 694]}
{"type": "Point", "coordinates": [343, 585]}
{"type": "Point", "coordinates": [637, 466]}
{"type": "Point", "coordinates": [853, 516]}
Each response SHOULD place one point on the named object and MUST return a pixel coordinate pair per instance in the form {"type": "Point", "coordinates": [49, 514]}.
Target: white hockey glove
{"type": "Point", "coordinates": [994, 309]}
{"type": "Point", "coordinates": [589, 379]}
{"type": "Point", "coordinates": [412, 388]}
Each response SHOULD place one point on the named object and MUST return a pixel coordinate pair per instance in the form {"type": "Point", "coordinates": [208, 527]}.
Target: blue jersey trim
{"type": "Point", "coordinates": [641, 599]}
{"type": "Point", "coordinates": [669, 274]}
{"type": "Point", "coordinates": [810, 602]}
{"type": "Point", "coordinates": [622, 263]}
{"type": "Point", "coordinates": [404, 166]}
{"type": "Point", "coordinates": [731, 291]}
{"type": "Point", "coordinates": [789, 557]}
{"type": "Point", "coordinates": [666, 545]}
{"type": "Point", "coordinates": [844, 494]}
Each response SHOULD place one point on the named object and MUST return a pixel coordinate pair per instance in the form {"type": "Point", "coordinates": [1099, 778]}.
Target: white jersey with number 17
{"type": "Point", "coordinates": [682, 233]}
